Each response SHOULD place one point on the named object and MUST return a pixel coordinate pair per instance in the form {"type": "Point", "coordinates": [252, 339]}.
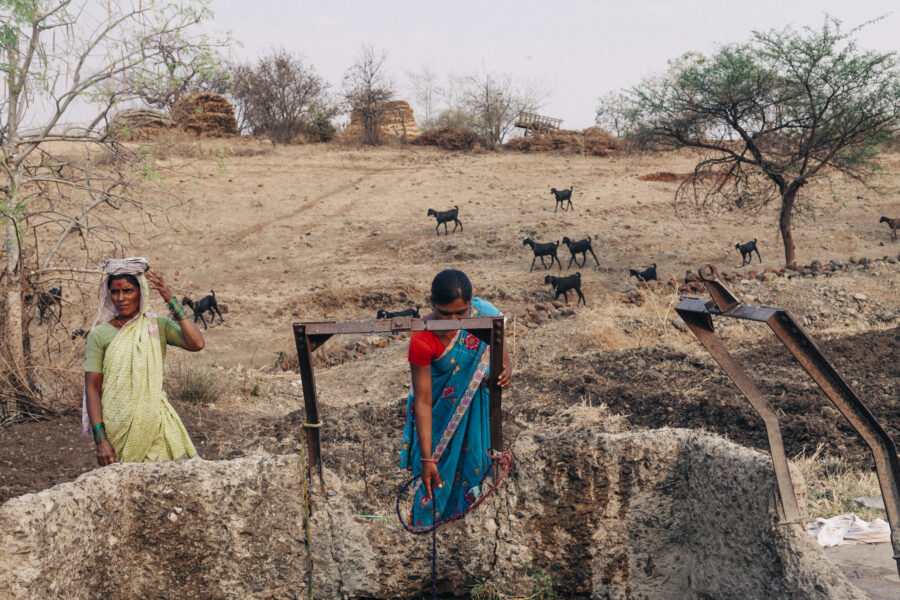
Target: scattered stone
{"type": "Point", "coordinates": [869, 502]}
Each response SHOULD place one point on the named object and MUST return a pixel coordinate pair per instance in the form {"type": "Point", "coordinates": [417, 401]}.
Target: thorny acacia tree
{"type": "Point", "coordinates": [771, 115]}
{"type": "Point", "coordinates": [367, 89]}
{"type": "Point", "coordinates": [71, 61]}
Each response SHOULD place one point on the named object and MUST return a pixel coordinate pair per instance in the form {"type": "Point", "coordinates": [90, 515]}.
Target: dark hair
{"type": "Point", "coordinates": [129, 278]}
{"type": "Point", "coordinates": [449, 285]}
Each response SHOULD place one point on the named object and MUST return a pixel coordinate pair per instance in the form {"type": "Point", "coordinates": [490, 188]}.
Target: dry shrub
{"type": "Point", "coordinates": [592, 141]}
{"type": "Point", "coordinates": [588, 416]}
{"type": "Point", "coordinates": [205, 113]}
{"type": "Point", "coordinates": [832, 484]}
{"type": "Point", "coordinates": [449, 137]}
{"type": "Point", "coordinates": [197, 384]}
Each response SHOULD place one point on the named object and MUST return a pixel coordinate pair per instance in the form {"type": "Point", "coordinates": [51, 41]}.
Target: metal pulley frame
{"type": "Point", "coordinates": [311, 335]}
{"type": "Point", "coordinates": [697, 314]}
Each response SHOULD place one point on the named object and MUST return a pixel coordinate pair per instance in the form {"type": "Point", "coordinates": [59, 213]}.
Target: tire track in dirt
{"type": "Point", "coordinates": [244, 233]}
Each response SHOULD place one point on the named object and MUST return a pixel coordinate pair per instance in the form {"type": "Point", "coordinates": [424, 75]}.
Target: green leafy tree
{"type": "Point", "coordinates": [770, 115]}
{"type": "Point", "coordinates": [63, 62]}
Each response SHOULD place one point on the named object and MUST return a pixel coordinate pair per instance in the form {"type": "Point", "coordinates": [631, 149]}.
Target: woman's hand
{"type": "Point", "coordinates": [157, 283]}
{"type": "Point", "coordinates": [106, 454]}
{"type": "Point", "coordinates": [505, 374]}
{"type": "Point", "coordinates": [430, 478]}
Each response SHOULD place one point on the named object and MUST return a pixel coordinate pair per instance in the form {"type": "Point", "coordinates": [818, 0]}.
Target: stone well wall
{"type": "Point", "coordinates": [662, 514]}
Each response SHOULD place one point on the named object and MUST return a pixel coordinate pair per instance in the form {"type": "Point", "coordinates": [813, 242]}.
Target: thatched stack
{"type": "Point", "coordinates": [138, 123]}
{"type": "Point", "coordinates": [396, 121]}
{"type": "Point", "coordinates": [448, 137]}
{"type": "Point", "coordinates": [205, 113]}
{"type": "Point", "coordinates": [593, 141]}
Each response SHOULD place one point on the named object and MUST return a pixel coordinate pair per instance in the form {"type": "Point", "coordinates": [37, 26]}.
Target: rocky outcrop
{"type": "Point", "coordinates": [661, 514]}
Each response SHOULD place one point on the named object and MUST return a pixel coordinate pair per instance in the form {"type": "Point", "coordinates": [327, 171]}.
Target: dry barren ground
{"type": "Point", "coordinates": [317, 232]}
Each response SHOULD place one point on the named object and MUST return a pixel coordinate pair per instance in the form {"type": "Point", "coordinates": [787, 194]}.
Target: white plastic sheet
{"type": "Point", "coordinates": [849, 529]}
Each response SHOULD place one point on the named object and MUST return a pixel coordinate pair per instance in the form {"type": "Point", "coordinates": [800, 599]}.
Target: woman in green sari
{"type": "Point", "coordinates": [124, 403]}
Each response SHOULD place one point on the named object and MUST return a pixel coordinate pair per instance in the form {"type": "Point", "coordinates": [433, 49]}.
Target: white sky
{"type": "Point", "coordinates": [577, 49]}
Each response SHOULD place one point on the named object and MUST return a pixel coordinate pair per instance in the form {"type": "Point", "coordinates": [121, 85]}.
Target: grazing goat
{"type": "Point", "coordinates": [648, 274]}
{"type": "Point", "coordinates": [445, 216]}
{"type": "Point", "coordinates": [561, 197]}
{"type": "Point", "coordinates": [409, 312]}
{"type": "Point", "coordinates": [582, 246]}
{"type": "Point", "coordinates": [747, 252]}
{"type": "Point", "coordinates": [542, 250]}
{"type": "Point", "coordinates": [207, 303]}
{"type": "Point", "coordinates": [562, 285]}
{"type": "Point", "coordinates": [894, 224]}
{"type": "Point", "coordinates": [46, 301]}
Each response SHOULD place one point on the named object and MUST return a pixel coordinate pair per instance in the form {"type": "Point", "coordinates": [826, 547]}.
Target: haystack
{"type": "Point", "coordinates": [396, 120]}
{"type": "Point", "coordinates": [593, 141]}
{"type": "Point", "coordinates": [448, 137]}
{"type": "Point", "coordinates": [138, 123]}
{"type": "Point", "coordinates": [205, 113]}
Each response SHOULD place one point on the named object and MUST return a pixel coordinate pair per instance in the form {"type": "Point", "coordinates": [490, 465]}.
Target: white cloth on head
{"type": "Point", "coordinates": [848, 529]}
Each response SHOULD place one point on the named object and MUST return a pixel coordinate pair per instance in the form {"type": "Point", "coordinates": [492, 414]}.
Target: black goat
{"type": "Point", "coordinates": [562, 285]}
{"type": "Point", "coordinates": [894, 224]}
{"type": "Point", "coordinates": [561, 197]}
{"type": "Point", "coordinates": [445, 216]}
{"type": "Point", "coordinates": [78, 333]}
{"type": "Point", "coordinates": [409, 312]}
{"type": "Point", "coordinates": [747, 252]}
{"type": "Point", "coordinates": [542, 250]}
{"type": "Point", "coordinates": [582, 246]}
{"type": "Point", "coordinates": [648, 274]}
{"type": "Point", "coordinates": [207, 303]}
{"type": "Point", "coordinates": [46, 301]}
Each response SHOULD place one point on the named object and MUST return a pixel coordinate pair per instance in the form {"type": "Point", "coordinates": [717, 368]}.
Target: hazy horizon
{"type": "Point", "coordinates": [578, 50]}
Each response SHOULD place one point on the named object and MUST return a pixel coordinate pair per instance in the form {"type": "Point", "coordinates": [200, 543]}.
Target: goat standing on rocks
{"type": "Point", "coordinates": [562, 285]}
{"type": "Point", "coordinates": [561, 197]}
{"type": "Point", "coordinates": [648, 274]}
{"type": "Point", "coordinates": [542, 250]}
{"type": "Point", "coordinates": [46, 301]}
{"type": "Point", "coordinates": [445, 216]}
{"type": "Point", "coordinates": [582, 246]}
{"type": "Point", "coordinates": [894, 224]}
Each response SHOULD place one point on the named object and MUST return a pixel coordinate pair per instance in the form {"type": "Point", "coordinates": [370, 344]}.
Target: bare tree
{"type": "Point", "coordinates": [280, 96]}
{"type": "Point", "coordinates": [367, 89]}
{"type": "Point", "coordinates": [62, 61]}
{"type": "Point", "coordinates": [614, 113]}
{"type": "Point", "coordinates": [427, 92]}
{"type": "Point", "coordinates": [495, 101]}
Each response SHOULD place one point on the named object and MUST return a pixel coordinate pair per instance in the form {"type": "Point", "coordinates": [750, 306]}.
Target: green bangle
{"type": "Point", "coordinates": [99, 433]}
{"type": "Point", "coordinates": [98, 427]}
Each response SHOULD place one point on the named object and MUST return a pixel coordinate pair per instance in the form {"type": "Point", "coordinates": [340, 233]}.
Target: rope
{"type": "Point", "coordinates": [304, 484]}
{"type": "Point", "coordinates": [505, 460]}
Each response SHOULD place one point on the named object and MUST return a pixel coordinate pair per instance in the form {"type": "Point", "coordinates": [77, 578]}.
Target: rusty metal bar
{"type": "Point", "coordinates": [305, 348]}
{"type": "Point", "coordinates": [701, 325]}
{"type": "Point", "coordinates": [309, 336]}
{"type": "Point", "coordinates": [698, 316]}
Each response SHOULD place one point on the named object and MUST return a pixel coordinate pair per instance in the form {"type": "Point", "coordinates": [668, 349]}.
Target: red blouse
{"type": "Point", "coordinates": [424, 348]}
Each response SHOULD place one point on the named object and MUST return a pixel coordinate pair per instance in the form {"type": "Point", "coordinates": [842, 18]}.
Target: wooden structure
{"type": "Point", "coordinates": [311, 335]}
{"type": "Point", "coordinates": [533, 122]}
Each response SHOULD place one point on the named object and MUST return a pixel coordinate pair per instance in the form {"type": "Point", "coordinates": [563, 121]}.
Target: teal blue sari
{"type": "Point", "coordinates": [460, 429]}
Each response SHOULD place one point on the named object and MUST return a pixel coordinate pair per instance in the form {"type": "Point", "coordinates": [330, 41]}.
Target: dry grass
{"type": "Point", "coordinates": [832, 485]}
{"type": "Point", "coordinates": [196, 384]}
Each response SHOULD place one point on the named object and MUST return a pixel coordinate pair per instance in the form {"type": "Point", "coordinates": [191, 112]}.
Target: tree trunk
{"type": "Point", "coordinates": [14, 351]}
{"type": "Point", "coordinates": [784, 224]}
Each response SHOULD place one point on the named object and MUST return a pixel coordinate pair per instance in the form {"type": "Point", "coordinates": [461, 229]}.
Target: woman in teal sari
{"type": "Point", "coordinates": [447, 434]}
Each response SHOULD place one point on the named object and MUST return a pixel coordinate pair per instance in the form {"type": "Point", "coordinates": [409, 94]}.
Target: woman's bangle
{"type": "Point", "coordinates": [99, 431]}
{"type": "Point", "coordinates": [431, 460]}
